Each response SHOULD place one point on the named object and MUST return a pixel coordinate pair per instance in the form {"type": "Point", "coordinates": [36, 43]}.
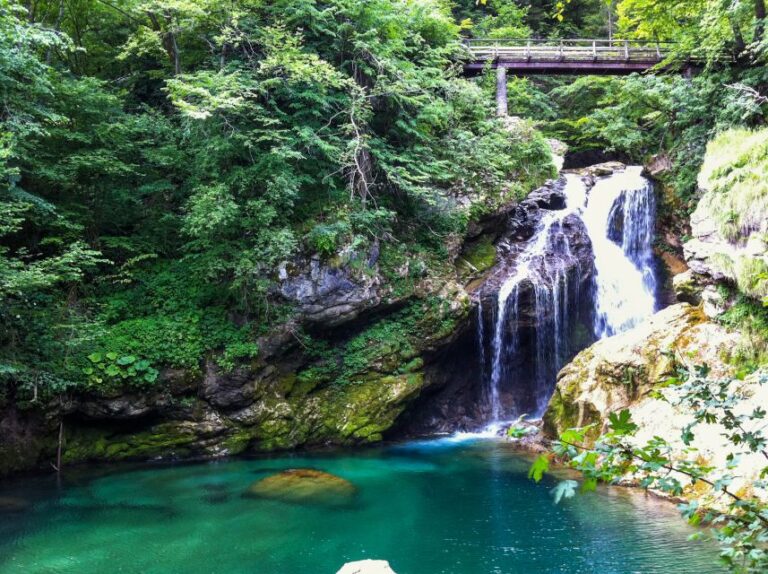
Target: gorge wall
{"type": "Point", "coordinates": [365, 359]}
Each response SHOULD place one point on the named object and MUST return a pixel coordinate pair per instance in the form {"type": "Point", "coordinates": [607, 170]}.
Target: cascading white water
{"type": "Point", "coordinates": [550, 288]}
{"type": "Point", "coordinates": [619, 219]}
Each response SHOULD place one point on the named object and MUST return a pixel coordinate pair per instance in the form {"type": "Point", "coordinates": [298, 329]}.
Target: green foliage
{"type": "Point", "coordinates": [388, 345]}
{"type": "Point", "coordinates": [160, 160]}
{"type": "Point", "coordinates": [735, 170]}
{"type": "Point", "coordinates": [539, 467]}
{"type": "Point", "coordinates": [750, 319]}
{"type": "Point", "coordinates": [111, 369]}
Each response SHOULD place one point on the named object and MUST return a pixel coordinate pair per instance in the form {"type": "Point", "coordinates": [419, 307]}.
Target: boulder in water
{"type": "Point", "coordinates": [366, 567]}
{"type": "Point", "coordinates": [304, 485]}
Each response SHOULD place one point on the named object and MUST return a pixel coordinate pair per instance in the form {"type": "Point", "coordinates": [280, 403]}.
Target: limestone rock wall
{"type": "Point", "coordinates": [624, 371]}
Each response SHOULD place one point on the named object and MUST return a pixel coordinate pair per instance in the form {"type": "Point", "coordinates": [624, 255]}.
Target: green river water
{"type": "Point", "coordinates": [442, 506]}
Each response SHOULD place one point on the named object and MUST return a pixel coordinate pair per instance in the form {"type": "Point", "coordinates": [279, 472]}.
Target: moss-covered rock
{"type": "Point", "coordinates": [304, 486]}
{"type": "Point", "coordinates": [730, 224]}
{"type": "Point", "coordinates": [621, 371]}
{"type": "Point", "coordinates": [477, 258]}
{"type": "Point", "coordinates": [631, 371]}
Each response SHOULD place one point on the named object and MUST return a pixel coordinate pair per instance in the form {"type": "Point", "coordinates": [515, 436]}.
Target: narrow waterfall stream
{"type": "Point", "coordinates": [618, 215]}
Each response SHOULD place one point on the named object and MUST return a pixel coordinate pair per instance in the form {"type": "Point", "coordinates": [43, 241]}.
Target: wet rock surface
{"type": "Point", "coordinates": [304, 486]}
{"type": "Point", "coordinates": [331, 292]}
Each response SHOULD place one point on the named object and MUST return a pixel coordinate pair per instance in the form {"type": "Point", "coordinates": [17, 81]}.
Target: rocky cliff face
{"type": "Point", "coordinates": [622, 371]}
{"type": "Point", "coordinates": [342, 385]}
{"type": "Point", "coordinates": [461, 400]}
{"type": "Point", "coordinates": [626, 372]}
{"type": "Point", "coordinates": [367, 337]}
{"type": "Point", "coordinates": [730, 224]}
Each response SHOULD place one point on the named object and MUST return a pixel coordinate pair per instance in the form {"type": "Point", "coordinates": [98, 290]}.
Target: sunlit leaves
{"type": "Point", "coordinates": [621, 423]}
{"type": "Point", "coordinates": [539, 467]}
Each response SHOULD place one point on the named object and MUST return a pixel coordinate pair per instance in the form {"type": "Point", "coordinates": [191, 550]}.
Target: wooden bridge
{"type": "Point", "coordinates": [578, 57]}
{"type": "Point", "coordinates": [574, 57]}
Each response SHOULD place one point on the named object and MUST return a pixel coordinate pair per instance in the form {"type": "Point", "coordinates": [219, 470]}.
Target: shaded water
{"type": "Point", "coordinates": [431, 507]}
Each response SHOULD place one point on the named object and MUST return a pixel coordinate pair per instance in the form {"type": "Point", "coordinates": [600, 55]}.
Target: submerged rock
{"type": "Point", "coordinates": [366, 567]}
{"type": "Point", "coordinates": [304, 485]}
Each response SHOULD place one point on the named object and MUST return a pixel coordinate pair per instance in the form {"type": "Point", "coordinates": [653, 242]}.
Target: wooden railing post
{"type": "Point", "coordinates": [594, 50]}
{"type": "Point", "coordinates": [562, 53]}
{"type": "Point", "coordinates": [626, 49]}
{"type": "Point", "coordinates": [528, 51]}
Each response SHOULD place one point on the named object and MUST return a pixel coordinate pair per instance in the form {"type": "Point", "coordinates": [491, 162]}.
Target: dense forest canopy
{"type": "Point", "coordinates": [159, 159]}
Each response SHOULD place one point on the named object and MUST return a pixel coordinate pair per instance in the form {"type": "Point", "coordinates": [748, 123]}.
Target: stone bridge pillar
{"type": "Point", "coordinates": [501, 91]}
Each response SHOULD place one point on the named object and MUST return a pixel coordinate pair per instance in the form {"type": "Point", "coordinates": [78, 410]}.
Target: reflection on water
{"type": "Point", "coordinates": [446, 506]}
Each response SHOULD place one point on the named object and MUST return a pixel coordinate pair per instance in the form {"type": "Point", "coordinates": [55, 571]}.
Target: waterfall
{"type": "Point", "coordinates": [549, 284]}
{"type": "Point", "coordinates": [620, 217]}
{"type": "Point", "coordinates": [618, 214]}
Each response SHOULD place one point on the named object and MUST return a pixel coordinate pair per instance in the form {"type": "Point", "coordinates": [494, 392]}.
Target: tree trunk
{"type": "Point", "coordinates": [57, 27]}
{"type": "Point", "coordinates": [501, 91]}
{"type": "Point", "coordinates": [168, 39]}
{"type": "Point", "coordinates": [739, 44]}
{"type": "Point", "coordinates": [760, 20]}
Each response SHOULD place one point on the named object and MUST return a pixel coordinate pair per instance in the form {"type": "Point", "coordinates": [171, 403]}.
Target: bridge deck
{"type": "Point", "coordinates": [564, 56]}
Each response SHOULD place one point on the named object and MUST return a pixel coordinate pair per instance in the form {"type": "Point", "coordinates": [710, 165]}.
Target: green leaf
{"type": "Point", "coordinates": [539, 467]}
{"type": "Point", "coordinates": [565, 489]}
{"type": "Point", "coordinates": [95, 357]}
{"type": "Point", "coordinates": [141, 365]}
{"type": "Point", "coordinates": [621, 423]}
{"type": "Point", "coordinates": [572, 436]}
{"type": "Point", "coordinates": [126, 360]}
{"type": "Point", "coordinates": [589, 485]}
{"type": "Point", "coordinates": [111, 356]}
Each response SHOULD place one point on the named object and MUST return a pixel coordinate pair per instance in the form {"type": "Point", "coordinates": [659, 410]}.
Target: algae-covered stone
{"type": "Point", "coordinates": [477, 257]}
{"type": "Point", "coordinates": [305, 486]}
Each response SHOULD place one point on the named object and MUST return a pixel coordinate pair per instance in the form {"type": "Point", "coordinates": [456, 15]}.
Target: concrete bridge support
{"type": "Point", "coordinates": [501, 91]}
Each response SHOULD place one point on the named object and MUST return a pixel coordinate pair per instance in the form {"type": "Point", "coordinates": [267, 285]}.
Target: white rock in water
{"type": "Point", "coordinates": [366, 567]}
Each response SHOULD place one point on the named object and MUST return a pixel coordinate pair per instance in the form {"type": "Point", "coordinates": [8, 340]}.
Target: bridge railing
{"type": "Point", "coordinates": [569, 49]}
